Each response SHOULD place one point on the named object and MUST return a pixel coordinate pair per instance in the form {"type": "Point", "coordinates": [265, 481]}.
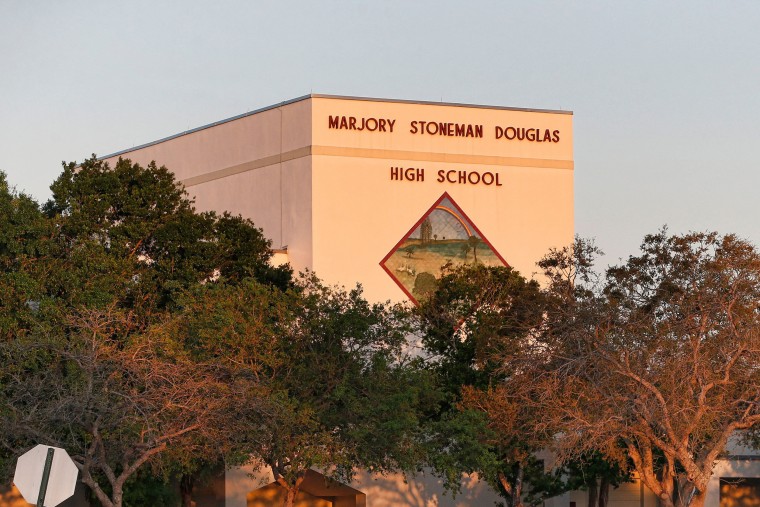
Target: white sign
{"type": "Point", "coordinates": [61, 482]}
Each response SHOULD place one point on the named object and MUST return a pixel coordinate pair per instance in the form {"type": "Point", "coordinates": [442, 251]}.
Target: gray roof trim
{"type": "Point", "coordinates": [324, 96]}
{"type": "Point", "coordinates": [432, 103]}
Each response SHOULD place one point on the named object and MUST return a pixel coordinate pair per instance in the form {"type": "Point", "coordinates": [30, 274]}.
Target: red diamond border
{"type": "Point", "coordinates": [424, 215]}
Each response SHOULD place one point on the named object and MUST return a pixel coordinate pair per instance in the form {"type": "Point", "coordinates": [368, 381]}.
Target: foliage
{"type": "Point", "coordinates": [661, 358]}
{"type": "Point", "coordinates": [341, 393]}
{"type": "Point", "coordinates": [87, 289]}
{"type": "Point", "coordinates": [130, 234]}
{"type": "Point", "coordinates": [113, 405]}
{"type": "Point", "coordinates": [146, 489]}
{"type": "Point", "coordinates": [22, 229]}
{"type": "Point", "coordinates": [159, 335]}
{"type": "Point", "coordinates": [141, 334]}
{"type": "Point", "coordinates": [475, 313]}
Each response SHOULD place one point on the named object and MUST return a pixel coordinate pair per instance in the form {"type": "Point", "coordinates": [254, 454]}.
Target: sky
{"type": "Point", "coordinates": [665, 95]}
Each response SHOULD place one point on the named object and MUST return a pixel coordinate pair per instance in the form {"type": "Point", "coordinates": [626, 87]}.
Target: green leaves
{"type": "Point", "coordinates": [475, 312]}
{"type": "Point", "coordinates": [96, 280]}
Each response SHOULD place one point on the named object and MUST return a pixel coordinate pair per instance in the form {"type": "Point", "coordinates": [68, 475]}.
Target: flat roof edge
{"type": "Point", "coordinates": [327, 96]}
{"type": "Point", "coordinates": [433, 103]}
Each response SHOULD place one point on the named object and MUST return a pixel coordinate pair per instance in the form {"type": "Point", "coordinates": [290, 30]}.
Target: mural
{"type": "Point", "coordinates": [444, 235]}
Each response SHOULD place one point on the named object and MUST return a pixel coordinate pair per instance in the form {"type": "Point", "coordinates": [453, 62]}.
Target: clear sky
{"type": "Point", "coordinates": [666, 95]}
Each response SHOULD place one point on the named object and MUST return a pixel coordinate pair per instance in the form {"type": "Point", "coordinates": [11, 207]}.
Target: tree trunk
{"type": "Point", "coordinates": [517, 490]}
{"type": "Point", "coordinates": [513, 491]}
{"type": "Point", "coordinates": [186, 484]}
{"type": "Point", "coordinates": [117, 495]}
{"type": "Point", "coordinates": [689, 495]}
{"type": "Point", "coordinates": [505, 483]}
{"type": "Point", "coordinates": [698, 500]}
{"type": "Point", "coordinates": [290, 497]}
{"type": "Point", "coordinates": [604, 491]}
{"type": "Point", "coordinates": [592, 493]}
{"type": "Point", "coordinates": [291, 491]}
{"type": "Point", "coordinates": [105, 501]}
{"type": "Point", "coordinates": [669, 484]}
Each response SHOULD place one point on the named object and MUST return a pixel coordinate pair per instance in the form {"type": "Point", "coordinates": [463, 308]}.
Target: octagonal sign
{"type": "Point", "coordinates": [444, 235]}
{"type": "Point", "coordinates": [62, 479]}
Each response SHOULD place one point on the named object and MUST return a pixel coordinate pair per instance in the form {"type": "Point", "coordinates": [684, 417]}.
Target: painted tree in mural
{"type": "Point", "coordinates": [424, 285]}
{"type": "Point", "coordinates": [426, 231]}
{"type": "Point", "coordinates": [473, 242]}
{"type": "Point", "coordinates": [661, 358]}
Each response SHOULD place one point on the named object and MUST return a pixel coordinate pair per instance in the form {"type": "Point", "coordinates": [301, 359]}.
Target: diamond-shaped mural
{"type": "Point", "coordinates": [444, 235]}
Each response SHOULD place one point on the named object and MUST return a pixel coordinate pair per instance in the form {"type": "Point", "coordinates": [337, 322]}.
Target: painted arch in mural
{"type": "Point", "coordinates": [443, 235]}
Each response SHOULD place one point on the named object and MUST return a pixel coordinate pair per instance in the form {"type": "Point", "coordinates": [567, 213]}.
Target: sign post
{"type": "Point", "coordinates": [45, 475]}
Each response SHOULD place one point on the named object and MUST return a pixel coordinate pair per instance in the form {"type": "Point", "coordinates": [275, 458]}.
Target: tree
{"type": "Point", "coordinates": [122, 241]}
{"type": "Point", "coordinates": [662, 358]}
{"type": "Point", "coordinates": [140, 221]}
{"type": "Point", "coordinates": [114, 406]}
{"type": "Point", "coordinates": [512, 439]}
{"type": "Point", "coordinates": [474, 313]}
{"type": "Point", "coordinates": [22, 229]}
{"type": "Point", "coordinates": [342, 394]}
{"type": "Point", "coordinates": [424, 284]}
{"type": "Point", "coordinates": [426, 231]}
{"type": "Point", "coordinates": [472, 243]}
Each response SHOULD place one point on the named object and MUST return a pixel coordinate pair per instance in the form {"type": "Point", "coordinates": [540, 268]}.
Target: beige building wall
{"type": "Point", "coordinates": [531, 213]}
{"type": "Point", "coordinates": [356, 198]}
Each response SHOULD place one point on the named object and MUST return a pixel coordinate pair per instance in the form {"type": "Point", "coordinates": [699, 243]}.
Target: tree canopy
{"type": "Point", "coordinates": [90, 281]}
{"type": "Point", "coordinates": [657, 365]}
{"type": "Point", "coordinates": [145, 336]}
{"type": "Point", "coordinates": [341, 392]}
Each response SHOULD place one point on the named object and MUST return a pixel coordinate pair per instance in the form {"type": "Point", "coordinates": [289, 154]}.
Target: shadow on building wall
{"type": "Point", "coordinates": [740, 492]}
{"type": "Point", "coordinates": [391, 490]}
{"type": "Point", "coordinates": [423, 490]}
{"type": "Point", "coordinates": [316, 491]}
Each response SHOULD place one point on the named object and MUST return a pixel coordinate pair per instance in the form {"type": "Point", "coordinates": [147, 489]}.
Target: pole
{"type": "Point", "coordinates": [45, 477]}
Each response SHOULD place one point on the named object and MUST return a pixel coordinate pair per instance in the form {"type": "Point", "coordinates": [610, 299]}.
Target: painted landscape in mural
{"type": "Point", "coordinates": [444, 235]}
